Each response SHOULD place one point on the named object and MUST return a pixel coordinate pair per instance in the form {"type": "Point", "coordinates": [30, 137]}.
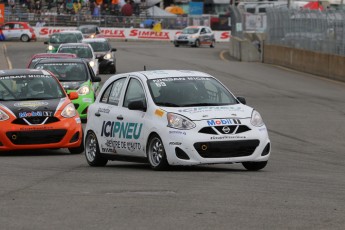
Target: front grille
{"type": "Point", "coordinates": [36, 136]}
{"type": "Point", "coordinates": [225, 149]}
{"type": "Point", "coordinates": [226, 129]}
{"type": "Point", "coordinates": [35, 120]}
{"type": "Point", "coordinates": [182, 42]}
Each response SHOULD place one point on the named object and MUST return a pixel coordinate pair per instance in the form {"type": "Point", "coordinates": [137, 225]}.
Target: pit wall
{"type": "Point", "coordinates": [130, 33]}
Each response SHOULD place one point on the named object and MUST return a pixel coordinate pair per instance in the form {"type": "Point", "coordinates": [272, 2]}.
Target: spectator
{"type": "Point", "coordinates": [40, 23]}
{"type": "Point", "coordinates": [127, 9]}
{"type": "Point", "coordinates": [76, 6]}
{"type": "Point", "coordinates": [12, 4]}
{"type": "Point", "coordinates": [69, 6]}
{"type": "Point", "coordinates": [115, 7]}
{"type": "Point", "coordinates": [38, 7]}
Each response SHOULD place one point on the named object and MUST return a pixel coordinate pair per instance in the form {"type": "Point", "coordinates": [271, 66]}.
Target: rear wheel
{"type": "Point", "coordinates": [92, 153]}
{"type": "Point", "coordinates": [175, 44]}
{"type": "Point", "coordinates": [212, 44]}
{"type": "Point", "coordinates": [24, 38]}
{"type": "Point", "coordinates": [254, 166]}
{"type": "Point", "coordinates": [156, 154]}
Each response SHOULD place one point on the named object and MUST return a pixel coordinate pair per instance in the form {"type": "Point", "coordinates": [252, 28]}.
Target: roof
{"type": "Point", "coordinates": [22, 72]}
{"type": "Point", "coordinates": [87, 26]}
{"type": "Point", "coordinates": [74, 44]}
{"type": "Point", "coordinates": [69, 31]}
{"type": "Point", "coordinates": [53, 55]}
{"type": "Point", "coordinates": [65, 60]}
{"type": "Point", "coordinates": [95, 40]}
{"type": "Point", "coordinates": [155, 74]}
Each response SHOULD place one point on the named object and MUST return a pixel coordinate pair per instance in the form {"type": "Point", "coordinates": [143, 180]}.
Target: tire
{"type": "Point", "coordinates": [175, 44]}
{"type": "Point", "coordinates": [25, 38]}
{"type": "Point", "coordinates": [79, 149]}
{"type": "Point", "coordinates": [113, 71]}
{"type": "Point", "coordinates": [156, 154]}
{"type": "Point", "coordinates": [197, 43]}
{"type": "Point", "coordinates": [254, 166]}
{"type": "Point", "coordinates": [212, 44]}
{"type": "Point", "coordinates": [92, 153]}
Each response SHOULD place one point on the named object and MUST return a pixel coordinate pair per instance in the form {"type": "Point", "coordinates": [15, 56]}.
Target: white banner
{"type": "Point", "coordinates": [130, 33]}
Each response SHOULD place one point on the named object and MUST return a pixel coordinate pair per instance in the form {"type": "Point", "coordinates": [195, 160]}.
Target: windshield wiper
{"type": "Point", "coordinates": [168, 104]}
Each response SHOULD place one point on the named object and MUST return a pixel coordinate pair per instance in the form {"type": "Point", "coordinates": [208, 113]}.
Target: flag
{"type": "Point", "coordinates": [157, 27]}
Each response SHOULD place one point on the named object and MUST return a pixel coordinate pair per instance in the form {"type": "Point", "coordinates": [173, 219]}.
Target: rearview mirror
{"type": "Point", "coordinates": [137, 105]}
{"type": "Point", "coordinates": [73, 95]}
{"type": "Point", "coordinates": [242, 100]}
{"type": "Point", "coordinates": [96, 79]}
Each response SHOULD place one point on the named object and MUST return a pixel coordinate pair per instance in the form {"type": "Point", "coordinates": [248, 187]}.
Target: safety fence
{"type": "Point", "coordinates": [319, 31]}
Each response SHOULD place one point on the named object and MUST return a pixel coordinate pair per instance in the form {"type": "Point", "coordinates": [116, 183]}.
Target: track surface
{"type": "Point", "coordinates": [303, 186]}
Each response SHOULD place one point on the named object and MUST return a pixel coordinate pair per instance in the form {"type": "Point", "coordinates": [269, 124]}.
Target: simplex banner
{"type": "Point", "coordinates": [131, 33]}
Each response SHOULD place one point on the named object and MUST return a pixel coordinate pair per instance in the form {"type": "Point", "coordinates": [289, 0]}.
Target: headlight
{"type": "Point", "coordinates": [3, 116]}
{"type": "Point", "coordinates": [83, 90]}
{"type": "Point", "coordinates": [92, 35]}
{"type": "Point", "coordinates": [256, 119]}
{"type": "Point", "coordinates": [92, 63]}
{"type": "Point", "coordinates": [50, 47]}
{"type": "Point", "coordinates": [107, 56]}
{"type": "Point", "coordinates": [193, 36]}
{"type": "Point", "coordinates": [69, 111]}
{"type": "Point", "coordinates": [179, 122]}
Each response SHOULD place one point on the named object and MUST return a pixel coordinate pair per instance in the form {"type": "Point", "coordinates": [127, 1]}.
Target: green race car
{"type": "Point", "coordinates": [56, 39]}
{"type": "Point", "coordinates": [76, 75]}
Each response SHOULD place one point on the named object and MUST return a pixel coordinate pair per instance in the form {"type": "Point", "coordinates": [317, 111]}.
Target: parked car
{"type": "Point", "coordinates": [89, 31]}
{"type": "Point", "coordinates": [82, 50]}
{"type": "Point", "coordinates": [36, 113]}
{"type": "Point", "coordinates": [102, 48]}
{"type": "Point", "coordinates": [56, 39]}
{"type": "Point", "coordinates": [174, 117]}
{"type": "Point", "coordinates": [17, 31]}
{"type": "Point", "coordinates": [75, 75]}
{"type": "Point", "coordinates": [195, 36]}
{"type": "Point", "coordinates": [36, 57]}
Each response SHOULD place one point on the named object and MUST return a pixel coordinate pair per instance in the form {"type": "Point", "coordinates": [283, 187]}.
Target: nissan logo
{"type": "Point", "coordinates": [226, 129]}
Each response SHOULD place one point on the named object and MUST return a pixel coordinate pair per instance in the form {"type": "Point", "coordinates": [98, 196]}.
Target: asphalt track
{"type": "Point", "coordinates": [303, 186]}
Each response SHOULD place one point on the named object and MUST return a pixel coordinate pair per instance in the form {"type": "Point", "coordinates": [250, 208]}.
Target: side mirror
{"type": "Point", "coordinates": [242, 100]}
{"type": "Point", "coordinates": [137, 105]}
{"type": "Point", "coordinates": [73, 95]}
{"type": "Point", "coordinates": [96, 79]}
{"type": "Point", "coordinates": [46, 43]}
{"type": "Point", "coordinates": [113, 49]}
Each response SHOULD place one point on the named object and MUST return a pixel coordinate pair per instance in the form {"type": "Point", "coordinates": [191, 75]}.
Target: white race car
{"type": "Point", "coordinates": [173, 117]}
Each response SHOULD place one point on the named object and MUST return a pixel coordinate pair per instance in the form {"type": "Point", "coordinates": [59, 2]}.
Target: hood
{"type": "Point", "coordinates": [101, 53]}
{"type": "Point", "coordinates": [34, 108]}
{"type": "Point", "coordinates": [213, 112]}
{"type": "Point", "coordinates": [71, 85]}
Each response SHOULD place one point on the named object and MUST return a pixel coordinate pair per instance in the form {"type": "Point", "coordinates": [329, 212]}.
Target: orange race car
{"type": "Point", "coordinates": [36, 113]}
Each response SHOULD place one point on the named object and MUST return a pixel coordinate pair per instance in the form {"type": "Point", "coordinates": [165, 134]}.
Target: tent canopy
{"type": "Point", "coordinates": [155, 11]}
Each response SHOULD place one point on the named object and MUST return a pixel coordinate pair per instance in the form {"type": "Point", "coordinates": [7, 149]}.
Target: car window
{"type": "Point", "coordinates": [18, 26]}
{"type": "Point", "coordinates": [100, 46]}
{"type": "Point", "coordinates": [203, 31]}
{"type": "Point", "coordinates": [112, 94]}
{"type": "Point", "coordinates": [65, 71]}
{"type": "Point", "coordinates": [134, 92]}
{"type": "Point", "coordinates": [81, 52]}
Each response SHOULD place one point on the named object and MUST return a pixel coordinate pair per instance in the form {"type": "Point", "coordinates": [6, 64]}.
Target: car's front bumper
{"type": "Point", "coordinates": [185, 42]}
{"type": "Point", "coordinates": [193, 148]}
{"type": "Point", "coordinates": [65, 133]}
{"type": "Point", "coordinates": [106, 66]}
{"type": "Point", "coordinates": [82, 104]}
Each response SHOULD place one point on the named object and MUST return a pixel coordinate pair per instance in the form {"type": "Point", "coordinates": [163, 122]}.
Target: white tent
{"type": "Point", "coordinates": [155, 11]}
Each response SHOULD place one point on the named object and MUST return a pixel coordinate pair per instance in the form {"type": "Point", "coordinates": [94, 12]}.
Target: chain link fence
{"type": "Point", "coordinates": [319, 31]}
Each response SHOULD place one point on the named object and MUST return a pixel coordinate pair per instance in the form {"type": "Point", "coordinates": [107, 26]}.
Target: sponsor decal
{"type": "Point", "coordinates": [227, 137]}
{"type": "Point", "coordinates": [36, 128]}
{"type": "Point", "coordinates": [88, 100]}
{"type": "Point", "coordinates": [31, 104]}
{"type": "Point", "coordinates": [112, 145]}
{"type": "Point", "coordinates": [175, 143]}
{"type": "Point", "coordinates": [178, 132]}
{"type": "Point", "coordinates": [216, 122]}
{"type": "Point", "coordinates": [159, 112]}
{"type": "Point", "coordinates": [31, 114]}
{"type": "Point", "coordinates": [126, 130]}
{"type": "Point", "coordinates": [103, 110]}
{"type": "Point", "coordinates": [47, 113]}
{"type": "Point", "coordinates": [149, 34]}
{"type": "Point", "coordinates": [210, 108]}
{"type": "Point", "coordinates": [262, 129]}
{"type": "Point", "coordinates": [78, 120]}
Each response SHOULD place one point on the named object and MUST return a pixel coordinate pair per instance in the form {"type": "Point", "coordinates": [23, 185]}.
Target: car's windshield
{"type": "Point", "coordinates": [88, 30]}
{"type": "Point", "coordinates": [29, 87]}
{"type": "Point", "coordinates": [80, 51]}
{"type": "Point", "coordinates": [65, 71]}
{"type": "Point", "coordinates": [190, 30]}
{"type": "Point", "coordinates": [100, 46]}
{"type": "Point", "coordinates": [189, 91]}
{"type": "Point", "coordinates": [63, 38]}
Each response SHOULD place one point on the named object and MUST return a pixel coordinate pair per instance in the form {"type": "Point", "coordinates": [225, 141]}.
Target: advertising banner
{"type": "Point", "coordinates": [2, 13]}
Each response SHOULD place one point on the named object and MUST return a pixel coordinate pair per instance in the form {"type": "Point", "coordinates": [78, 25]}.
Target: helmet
{"type": "Point", "coordinates": [35, 87]}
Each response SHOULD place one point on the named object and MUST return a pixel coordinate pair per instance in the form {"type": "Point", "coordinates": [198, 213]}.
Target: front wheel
{"type": "Point", "coordinates": [175, 44]}
{"type": "Point", "coordinates": [24, 38]}
{"type": "Point", "coordinates": [92, 153]}
{"type": "Point", "coordinates": [197, 43]}
{"type": "Point", "coordinates": [254, 166]}
{"type": "Point", "coordinates": [156, 154]}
